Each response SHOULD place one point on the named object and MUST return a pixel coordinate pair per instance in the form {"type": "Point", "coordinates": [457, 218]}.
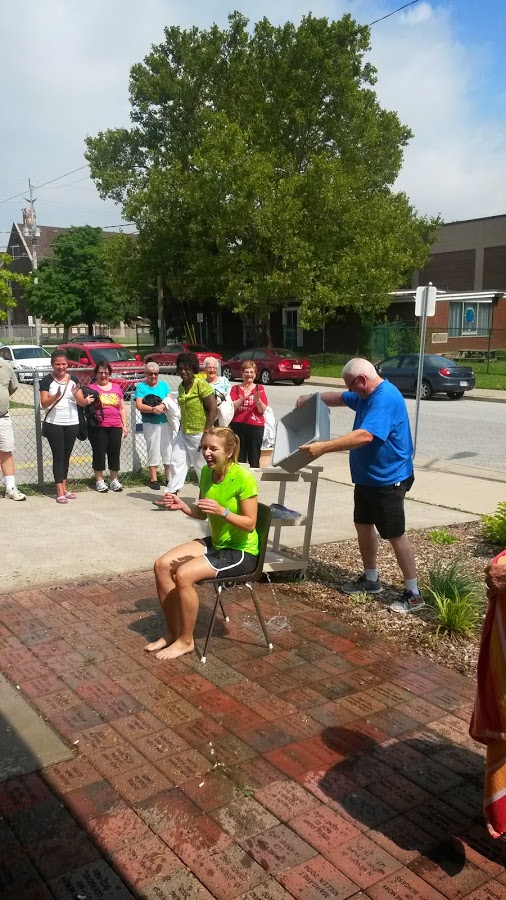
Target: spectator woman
{"type": "Point", "coordinates": [229, 501]}
{"type": "Point", "coordinates": [155, 425]}
{"type": "Point", "coordinates": [198, 413]}
{"type": "Point", "coordinates": [250, 403]}
{"type": "Point", "coordinates": [218, 382]}
{"type": "Point", "coordinates": [107, 427]}
{"type": "Point", "coordinates": [61, 422]}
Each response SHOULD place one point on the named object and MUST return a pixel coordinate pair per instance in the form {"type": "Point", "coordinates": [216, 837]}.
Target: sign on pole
{"type": "Point", "coordinates": [431, 300]}
{"type": "Point", "coordinates": [200, 317]}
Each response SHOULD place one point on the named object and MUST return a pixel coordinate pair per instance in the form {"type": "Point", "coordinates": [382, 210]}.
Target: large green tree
{"type": "Point", "coordinates": [74, 285]}
{"type": "Point", "coordinates": [260, 167]}
{"type": "Point", "coordinates": [7, 279]}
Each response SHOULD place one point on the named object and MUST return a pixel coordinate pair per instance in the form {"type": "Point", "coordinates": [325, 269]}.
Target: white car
{"type": "Point", "coordinates": [24, 358]}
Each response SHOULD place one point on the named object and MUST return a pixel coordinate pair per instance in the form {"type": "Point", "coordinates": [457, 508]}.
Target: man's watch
{"type": "Point", "coordinates": [225, 514]}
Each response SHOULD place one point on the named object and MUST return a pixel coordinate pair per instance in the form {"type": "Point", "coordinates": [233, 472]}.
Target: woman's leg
{"type": "Point", "coordinates": [152, 438]}
{"type": "Point", "coordinates": [193, 449]}
{"type": "Point", "coordinates": [178, 465]}
{"type": "Point", "coordinates": [69, 439]}
{"type": "Point", "coordinates": [166, 445]}
{"type": "Point", "coordinates": [113, 436]}
{"type": "Point", "coordinates": [254, 438]}
{"type": "Point", "coordinates": [98, 441]}
{"type": "Point", "coordinates": [165, 569]}
{"type": "Point", "coordinates": [186, 577]}
{"type": "Point", "coordinates": [56, 442]}
{"type": "Point", "coordinates": [238, 429]}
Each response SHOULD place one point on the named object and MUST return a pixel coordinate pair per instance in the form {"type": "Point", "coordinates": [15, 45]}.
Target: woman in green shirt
{"type": "Point", "coordinates": [197, 403]}
{"type": "Point", "coordinates": [229, 500]}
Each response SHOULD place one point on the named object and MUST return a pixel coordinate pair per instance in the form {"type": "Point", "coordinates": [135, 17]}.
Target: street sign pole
{"type": "Point", "coordinates": [425, 305]}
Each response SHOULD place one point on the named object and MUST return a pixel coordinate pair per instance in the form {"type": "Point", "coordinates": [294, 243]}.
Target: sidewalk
{"type": "Point", "coordinates": [476, 394]}
{"type": "Point", "coordinates": [331, 767]}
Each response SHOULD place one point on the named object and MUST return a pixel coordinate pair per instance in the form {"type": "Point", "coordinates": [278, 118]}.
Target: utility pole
{"type": "Point", "coordinates": [31, 231]}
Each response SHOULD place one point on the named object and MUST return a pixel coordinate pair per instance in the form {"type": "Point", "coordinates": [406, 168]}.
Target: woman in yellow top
{"type": "Point", "coordinates": [197, 403]}
{"type": "Point", "coordinates": [229, 500]}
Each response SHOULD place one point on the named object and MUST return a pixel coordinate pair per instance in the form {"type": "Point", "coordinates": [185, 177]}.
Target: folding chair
{"type": "Point", "coordinates": [263, 524]}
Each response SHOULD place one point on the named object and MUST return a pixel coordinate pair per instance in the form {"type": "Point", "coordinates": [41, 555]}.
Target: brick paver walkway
{"type": "Point", "coordinates": [330, 768]}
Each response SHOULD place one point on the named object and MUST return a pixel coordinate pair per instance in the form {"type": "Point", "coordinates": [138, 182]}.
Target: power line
{"type": "Point", "coordinates": [382, 19]}
{"type": "Point", "coordinates": [58, 177]}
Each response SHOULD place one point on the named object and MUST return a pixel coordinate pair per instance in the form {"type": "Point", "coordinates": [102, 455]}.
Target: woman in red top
{"type": "Point", "coordinates": [250, 403]}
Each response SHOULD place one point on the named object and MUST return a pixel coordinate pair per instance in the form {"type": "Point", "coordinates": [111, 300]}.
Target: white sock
{"type": "Point", "coordinates": [10, 482]}
{"type": "Point", "coordinates": [371, 574]}
{"type": "Point", "coordinates": [412, 585]}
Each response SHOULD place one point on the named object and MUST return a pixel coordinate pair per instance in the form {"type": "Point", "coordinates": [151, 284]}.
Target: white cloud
{"type": "Point", "coordinates": [67, 76]}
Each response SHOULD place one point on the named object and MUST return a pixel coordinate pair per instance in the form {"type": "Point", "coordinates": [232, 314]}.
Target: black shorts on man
{"type": "Point", "coordinates": [383, 507]}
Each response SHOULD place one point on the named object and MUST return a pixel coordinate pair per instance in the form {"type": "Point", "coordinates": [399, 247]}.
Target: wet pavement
{"type": "Point", "coordinates": [331, 767]}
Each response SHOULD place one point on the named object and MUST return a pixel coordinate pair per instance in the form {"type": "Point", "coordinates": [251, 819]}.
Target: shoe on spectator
{"type": "Point", "coordinates": [116, 485]}
{"type": "Point", "coordinates": [101, 486]}
{"type": "Point", "coordinates": [362, 585]}
{"type": "Point", "coordinates": [154, 485]}
{"type": "Point", "coordinates": [14, 494]}
{"type": "Point", "coordinates": [408, 602]}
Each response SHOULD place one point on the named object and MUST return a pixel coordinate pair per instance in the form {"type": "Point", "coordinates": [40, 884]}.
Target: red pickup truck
{"type": "Point", "coordinates": [127, 368]}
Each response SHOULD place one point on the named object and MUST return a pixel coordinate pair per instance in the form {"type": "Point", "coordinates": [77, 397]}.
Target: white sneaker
{"type": "Point", "coordinates": [101, 486]}
{"type": "Point", "coordinates": [116, 485]}
{"type": "Point", "coordinates": [14, 494]}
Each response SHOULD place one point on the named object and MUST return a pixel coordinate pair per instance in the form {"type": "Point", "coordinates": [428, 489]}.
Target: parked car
{"type": "Point", "coordinates": [439, 375]}
{"type": "Point", "coordinates": [92, 339]}
{"type": "Point", "coordinates": [25, 358]}
{"type": "Point", "coordinates": [168, 355]}
{"type": "Point", "coordinates": [273, 364]}
{"type": "Point", "coordinates": [127, 368]}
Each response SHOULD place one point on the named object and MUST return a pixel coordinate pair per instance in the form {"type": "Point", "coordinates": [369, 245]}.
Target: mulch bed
{"type": "Point", "coordinates": [332, 564]}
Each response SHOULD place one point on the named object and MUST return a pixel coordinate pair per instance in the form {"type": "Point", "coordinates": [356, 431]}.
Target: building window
{"type": "Point", "coordinates": [15, 251]}
{"type": "Point", "coordinates": [473, 319]}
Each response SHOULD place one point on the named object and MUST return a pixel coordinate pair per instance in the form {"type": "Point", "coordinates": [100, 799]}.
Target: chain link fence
{"type": "Point", "coordinates": [32, 455]}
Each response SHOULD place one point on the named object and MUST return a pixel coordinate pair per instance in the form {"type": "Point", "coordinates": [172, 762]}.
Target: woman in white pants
{"type": "Point", "coordinates": [198, 414]}
{"type": "Point", "coordinates": [158, 434]}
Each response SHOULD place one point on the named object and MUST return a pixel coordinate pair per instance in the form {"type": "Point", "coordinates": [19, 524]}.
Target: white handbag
{"type": "Point", "coordinates": [225, 409]}
{"type": "Point", "coordinates": [172, 413]}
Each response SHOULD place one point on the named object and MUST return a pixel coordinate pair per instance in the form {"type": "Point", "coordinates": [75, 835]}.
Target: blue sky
{"type": "Point", "coordinates": [440, 62]}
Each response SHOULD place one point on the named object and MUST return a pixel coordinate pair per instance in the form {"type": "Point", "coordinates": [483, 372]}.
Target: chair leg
{"type": "Point", "coordinates": [227, 618]}
{"type": "Point", "coordinates": [217, 588]}
{"type": "Point", "coordinates": [259, 614]}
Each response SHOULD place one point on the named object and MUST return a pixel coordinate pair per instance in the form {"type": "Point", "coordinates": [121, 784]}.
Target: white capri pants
{"type": "Point", "coordinates": [185, 453]}
{"type": "Point", "coordinates": [159, 443]}
{"type": "Point", "coordinates": [6, 435]}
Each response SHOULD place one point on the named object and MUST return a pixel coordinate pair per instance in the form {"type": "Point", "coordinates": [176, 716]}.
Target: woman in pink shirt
{"type": "Point", "coordinates": [250, 403]}
{"type": "Point", "coordinates": [106, 425]}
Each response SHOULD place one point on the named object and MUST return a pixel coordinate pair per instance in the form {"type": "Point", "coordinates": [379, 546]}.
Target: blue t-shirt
{"type": "Point", "coordinates": [389, 457]}
{"type": "Point", "coordinates": [161, 389]}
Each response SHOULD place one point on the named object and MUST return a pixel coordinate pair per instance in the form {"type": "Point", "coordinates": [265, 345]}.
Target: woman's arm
{"type": "Point", "coordinates": [123, 414]}
{"type": "Point", "coordinates": [172, 501]}
{"type": "Point", "coordinates": [261, 406]}
{"type": "Point", "coordinates": [237, 401]}
{"type": "Point", "coordinates": [246, 520]}
{"type": "Point", "coordinates": [47, 399]}
{"type": "Point", "coordinates": [80, 399]}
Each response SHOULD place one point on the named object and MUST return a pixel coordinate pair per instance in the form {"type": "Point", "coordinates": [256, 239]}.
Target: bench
{"type": "Point", "coordinates": [474, 355]}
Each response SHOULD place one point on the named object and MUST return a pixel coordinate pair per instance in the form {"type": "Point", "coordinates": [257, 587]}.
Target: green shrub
{"type": "Point", "coordinates": [494, 526]}
{"type": "Point", "coordinates": [455, 599]}
{"type": "Point", "coordinates": [440, 536]}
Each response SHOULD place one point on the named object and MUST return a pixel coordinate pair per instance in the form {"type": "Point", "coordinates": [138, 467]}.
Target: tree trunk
{"type": "Point", "coordinates": [89, 325]}
{"type": "Point", "coordinates": [66, 330]}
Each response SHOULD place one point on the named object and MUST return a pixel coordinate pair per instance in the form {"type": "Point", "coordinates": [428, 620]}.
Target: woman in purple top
{"type": "Point", "coordinates": [107, 427]}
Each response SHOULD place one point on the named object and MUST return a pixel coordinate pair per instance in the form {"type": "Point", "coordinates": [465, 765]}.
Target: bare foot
{"type": "Point", "coordinates": [160, 644]}
{"type": "Point", "coordinates": [178, 648]}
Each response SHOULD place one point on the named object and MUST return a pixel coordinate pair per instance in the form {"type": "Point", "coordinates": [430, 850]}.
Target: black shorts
{"type": "Point", "coordinates": [229, 562]}
{"type": "Point", "coordinates": [382, 507]}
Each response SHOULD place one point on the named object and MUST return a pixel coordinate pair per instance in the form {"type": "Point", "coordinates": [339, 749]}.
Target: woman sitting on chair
{"type": "Point", "coordinates": [229, 499]}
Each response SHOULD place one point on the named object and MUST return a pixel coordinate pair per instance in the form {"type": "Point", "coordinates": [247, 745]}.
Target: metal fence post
{"type": "Point", "coordinates": [38, 429]}
{"type": "Point", "coordinates": [136, 460]}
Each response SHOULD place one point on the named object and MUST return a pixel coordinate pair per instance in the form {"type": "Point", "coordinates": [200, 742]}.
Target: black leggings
{"type": "Point", "coordinates": [105, 441]}
{"type": "Point", "coordinates": [61, 440]}
{"type": "Point", "coordinates": [251, 437]}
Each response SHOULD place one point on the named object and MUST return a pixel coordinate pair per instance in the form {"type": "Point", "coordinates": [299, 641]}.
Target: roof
{"type": "Point", "coordinates": [48, 234]}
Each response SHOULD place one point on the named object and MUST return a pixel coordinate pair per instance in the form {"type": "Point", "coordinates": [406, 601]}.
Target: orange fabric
{"type": "Point", "coordinates": [488, 722]}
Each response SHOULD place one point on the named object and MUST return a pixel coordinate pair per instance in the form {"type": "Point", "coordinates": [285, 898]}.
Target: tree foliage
{"type": "Point", "coordinates": [74, 285]}
{"type": "Point", "coordinates": [259, 168]}
{"type": "Point", "coordinates": [7, 278]}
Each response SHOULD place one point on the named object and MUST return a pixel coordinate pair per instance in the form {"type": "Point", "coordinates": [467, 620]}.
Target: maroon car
{"type": "Point", "coordinates": [169, 354]}
{"type": "Point", "coordinates": [273, 364]}
{"type": "Point", "coordinates": [127, 368]}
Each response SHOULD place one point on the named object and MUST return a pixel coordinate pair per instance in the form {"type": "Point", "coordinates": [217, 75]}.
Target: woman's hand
{"type": "Point", "coordinates": [172, 501]}
{"type": "Point", "coordinates": [211, 507]}
{"type": "Point", "coordinates": [160, 409]}
{"type": "Point", "coordinates": [89, 399]}
{"type": "Point", "coordinates": [124, 431]}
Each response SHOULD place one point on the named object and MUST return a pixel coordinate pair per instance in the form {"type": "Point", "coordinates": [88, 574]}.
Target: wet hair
{"type": "Point", "coordinates": [248, 364]}
{"type": "Point", "coordinates": [102, 364]}
{"type": "Point", "coordinates": [189, 360]}
{"type": "Point", "coordinates": [229, 439]}
{"type": "Point", "coordinates": [59, 352]}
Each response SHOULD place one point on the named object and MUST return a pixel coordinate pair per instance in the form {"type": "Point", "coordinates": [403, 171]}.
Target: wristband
{"type": "Point", "coordinates": [225, 514]}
